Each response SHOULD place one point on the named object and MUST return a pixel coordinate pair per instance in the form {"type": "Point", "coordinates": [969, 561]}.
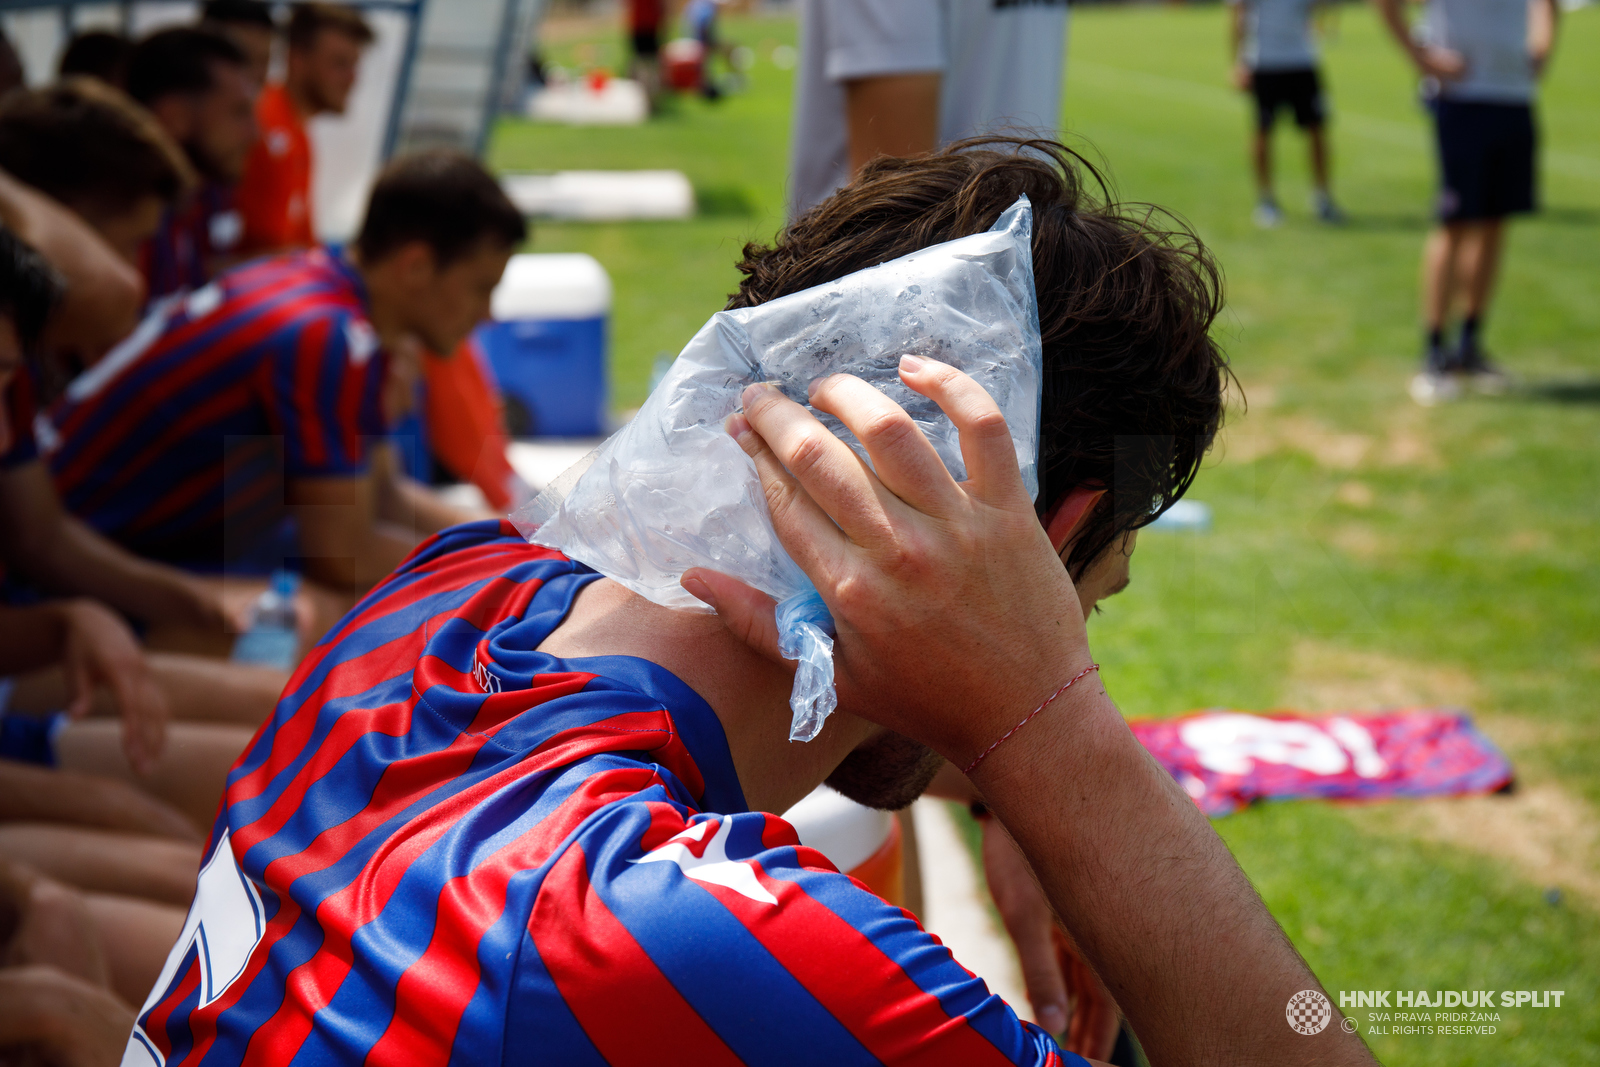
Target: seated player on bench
{"type": "Point", "coordinates": [266, 389]}
{"type": "Point", "coordinates": [510, 812]}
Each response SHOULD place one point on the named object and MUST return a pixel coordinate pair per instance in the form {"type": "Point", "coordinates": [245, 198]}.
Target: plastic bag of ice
{"type": "Point", "coordinates": [672, 490]}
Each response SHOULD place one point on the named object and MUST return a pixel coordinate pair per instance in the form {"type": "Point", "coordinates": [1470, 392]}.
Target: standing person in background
{"type": "Point", "coordinates": [1275, 60]}
{"type": "Point", "coordinates": [325, 46]}
{"type": "Point", "coordinates": [644, 43]}
{"type": "Point", "coordinates": [700, 20]}
{"type": "Point", "coordinates": [196, 83]}
{"type": "Point", "coordinates": [1480, 61]}
{"type": "Point", "coordinates": [903, 77]}
{"type": "Point", "coordinates": [248, 24]}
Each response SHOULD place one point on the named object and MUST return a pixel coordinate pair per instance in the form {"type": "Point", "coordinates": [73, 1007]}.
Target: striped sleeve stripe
{"type": "Point", "coordinates": [157, 446]}
{"type": "Point", "coordinates": [102, 425]}
{"type": "Point", "coordinates": [635, 1017]}
{"type": "Point", "coordinates": [311, 369]}
{"type": "Point", "coordinates": [898, 1020]}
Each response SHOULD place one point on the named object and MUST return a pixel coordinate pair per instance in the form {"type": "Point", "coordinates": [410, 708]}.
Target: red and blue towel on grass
{"type": "Point", "coordinates": [1227, 760]}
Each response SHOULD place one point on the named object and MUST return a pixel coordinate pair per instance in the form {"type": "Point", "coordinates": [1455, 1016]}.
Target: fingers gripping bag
{"type": "Point", "coordinates": [672, 490]}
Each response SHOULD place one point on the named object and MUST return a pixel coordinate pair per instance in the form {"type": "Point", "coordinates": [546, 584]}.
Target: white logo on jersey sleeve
{"type": "Point", "coordinates": [127, 350]}
{"type": "Point", "coordinates": [712, 865]}
{"type": "Point", "coordinates": [203, 301]}
{"type": "Point", "coordinates": [361, 340]}
{"type": "Point", "coordinates": [224, 926]}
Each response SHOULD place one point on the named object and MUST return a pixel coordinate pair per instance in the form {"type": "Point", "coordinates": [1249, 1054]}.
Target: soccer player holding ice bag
{"type": "Point", "coordinates": [511, 810]}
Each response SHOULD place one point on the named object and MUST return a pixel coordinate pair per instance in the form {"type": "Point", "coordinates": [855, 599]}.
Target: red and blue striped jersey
{"type": "Point", "coordinates": [449, 849]}
{"type": "Point", "coordinates": [176, 444]}
{"type": "Point", "coordinates": [183, 251]}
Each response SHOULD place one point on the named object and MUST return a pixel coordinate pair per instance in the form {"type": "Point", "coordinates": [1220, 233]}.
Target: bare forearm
{"type": "Point", "coordinates": [1394, 18]}
{"type": "Point", "coordinates": [80, 561]}
{"type": "Point", "coordinates": [412, 506]}
{"type": "Point", "coordinates": [896, 115]}
{"type": "Point", "coordinates": [951, 784]}
{"type": "Point", "coordinates": [1542, 18]}
{"type": "Point", "coordinates": [63, 1019]}
{"type": "Point", "coordinates": [37, 794]}
{"type": "Point", "coordinates": [380, 549]}
{"type": "Point", "coordinates": [1135, 871]}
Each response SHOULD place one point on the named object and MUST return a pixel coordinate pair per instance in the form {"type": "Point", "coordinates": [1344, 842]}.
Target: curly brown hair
{"type": "Point", "coordinates": [1134, 385]}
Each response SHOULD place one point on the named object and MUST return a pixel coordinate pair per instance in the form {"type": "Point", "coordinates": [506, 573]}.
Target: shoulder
{"type": "Point", "coordinates": [469, 557]}
{"type": "Point", "coordinates": [307, 291]}
{"type": "Point", "coordinates": [488, 545]}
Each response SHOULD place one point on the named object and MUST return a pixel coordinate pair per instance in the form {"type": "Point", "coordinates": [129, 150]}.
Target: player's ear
{"type": "Point", "coordinates": [416, 262]}
{"type": "Point", "coordinates": [1064, 521]}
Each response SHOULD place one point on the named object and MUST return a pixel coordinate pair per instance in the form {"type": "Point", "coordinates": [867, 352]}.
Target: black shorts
{"type": "Point", "coordinates": [1486, 154]}
{"type": "Point", "coordinates": [1299, 90]}
{"type": "Point", "coordinates": [646, 43]}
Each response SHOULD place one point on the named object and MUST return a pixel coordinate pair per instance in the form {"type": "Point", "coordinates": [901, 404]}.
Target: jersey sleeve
{"type": "Point", "coordinates": [324, 394]}
{"type": "Point", "coordinates": [878, 38]}
{"type": "Point", "coordinates": [775, 958]}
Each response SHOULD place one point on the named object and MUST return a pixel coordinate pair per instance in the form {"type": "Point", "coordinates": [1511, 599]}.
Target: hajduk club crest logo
{"type": "Point", "coordinates": [1309, 1012]}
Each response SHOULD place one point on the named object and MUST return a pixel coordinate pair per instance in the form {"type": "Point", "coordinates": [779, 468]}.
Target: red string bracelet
{"type": "Point", "coordinates": [969, 768]}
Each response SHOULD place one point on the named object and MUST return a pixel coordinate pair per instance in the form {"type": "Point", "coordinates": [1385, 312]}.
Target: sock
{"type": "Point", "coordinates": [1322, 198]}
{"type": "Point", "coordinates": [1469, 334]}
{"type": "Point", "coordinates": [28, 739]}
{"type": "Point", "coordinates": [1435, 338]}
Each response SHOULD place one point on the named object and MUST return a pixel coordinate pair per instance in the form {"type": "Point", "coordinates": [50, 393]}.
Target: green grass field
{"type": "Point", "coordinates": [1365, 552]}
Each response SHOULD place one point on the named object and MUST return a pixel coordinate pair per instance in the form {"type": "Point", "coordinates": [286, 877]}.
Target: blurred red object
{"type": "Point", "coordinates": [466, 425]}
{"type": "Point", "coordinates": [597, 80]}
{"type": "Point", "coordinates": [684, 59]}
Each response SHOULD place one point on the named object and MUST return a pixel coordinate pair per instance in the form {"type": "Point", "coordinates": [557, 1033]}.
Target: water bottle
{"type": "Point", "coordinates": [273, 639]}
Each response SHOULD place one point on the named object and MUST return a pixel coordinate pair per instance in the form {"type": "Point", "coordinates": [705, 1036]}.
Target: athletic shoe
{"type": "Point", "coordinates": [1484, 376]}
{"type": "Point", "coordinates": [1432, 387]}
{"type": "Point", "coordinates": [1267, 214]}
{"type": "Point", "coordinates": [1327, 210]}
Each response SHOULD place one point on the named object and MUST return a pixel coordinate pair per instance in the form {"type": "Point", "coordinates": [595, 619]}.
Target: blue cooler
{"type": "Point", "coordinates": [547, 344]}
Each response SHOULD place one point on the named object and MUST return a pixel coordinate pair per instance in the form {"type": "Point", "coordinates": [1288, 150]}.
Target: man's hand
{"type": "Point", "coordinates": [1442, 63]}
{"type": "Point", "coordinates": [1543, 17]}
{"type": "Point", "coordinates": [956, 619]}
{"type": "Point", "coordinates": [1243, 78]}
{"type": "Point", "coordinates": [63, 1020]}
{"type": "Point", "coordinates": [1446, 64]}
{"type": "Point", "coordinates": [959, 578]}
{"type": "Point", "coordinates": [99, 649]}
